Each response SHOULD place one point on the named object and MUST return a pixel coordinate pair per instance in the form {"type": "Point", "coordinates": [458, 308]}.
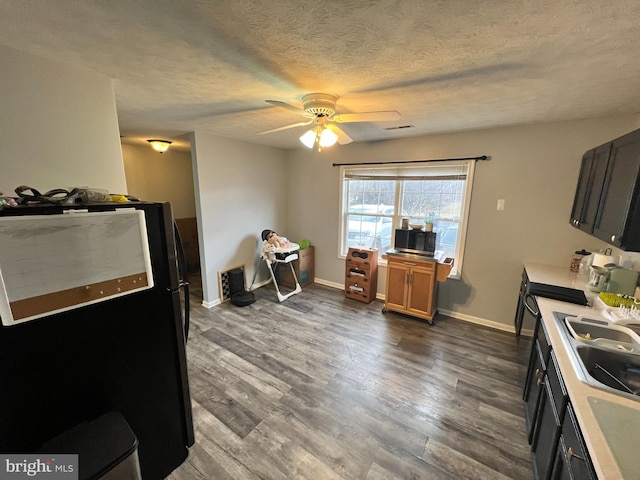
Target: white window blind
{"type": "Point", "coordinates": [375, 198]}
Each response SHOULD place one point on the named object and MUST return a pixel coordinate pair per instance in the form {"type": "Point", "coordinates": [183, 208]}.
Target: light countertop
{"type": "Point", "coordinates": [611, 459]}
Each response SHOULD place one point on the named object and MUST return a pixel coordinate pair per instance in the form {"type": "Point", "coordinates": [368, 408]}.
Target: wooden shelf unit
{"type": "Point", "coordinates": [412, 285]}
{"type": "Point", "coordinates": [361, 274]}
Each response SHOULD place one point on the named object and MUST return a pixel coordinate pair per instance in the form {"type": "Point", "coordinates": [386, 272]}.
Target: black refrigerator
{"type": "Point", "coordinates": [125, 352]}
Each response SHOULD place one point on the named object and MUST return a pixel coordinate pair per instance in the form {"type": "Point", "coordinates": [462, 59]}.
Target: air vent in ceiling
{"type": "Point", "coordinates": [400, 127]}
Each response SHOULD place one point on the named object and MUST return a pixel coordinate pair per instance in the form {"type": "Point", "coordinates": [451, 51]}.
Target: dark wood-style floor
{"type": "Point", "coordinates": [323, 387]}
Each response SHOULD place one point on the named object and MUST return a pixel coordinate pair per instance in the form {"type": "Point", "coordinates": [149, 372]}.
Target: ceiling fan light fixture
{"type": "Point", "coordinates": [309, 138]}
{"type": "Point", "coordinates": [159, 145]}
{"type": "Point", "coordinates": [328, 138]}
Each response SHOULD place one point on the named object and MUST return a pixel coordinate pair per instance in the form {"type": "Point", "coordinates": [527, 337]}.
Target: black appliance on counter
{"type": "Point", "coordinates": [64, 362]}
{"type": "Point", "coordinates": [527, 301]}
{"type": "Point", "coordinates": [415, 241]}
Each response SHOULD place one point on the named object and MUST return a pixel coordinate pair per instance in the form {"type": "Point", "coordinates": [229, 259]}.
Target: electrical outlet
{"type": "Point", "coordinates": [500, 204]}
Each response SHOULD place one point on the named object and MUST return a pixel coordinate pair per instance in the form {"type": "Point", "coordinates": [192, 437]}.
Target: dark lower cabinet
{"type": "Point", "coordinates": [533, 391]}
{"type": "Point", "coordinates": [551, 408]}
{"type": "Point", "coordinates": [527, 306]}
{"type": "Point", "coordinates": [571, 458]}
{"type": "Point", "coordinates": [534, 382]}
{"type": "Point", "coordinates": [557, 447]}
{"type": "Point", "coordinates": [546, 435]}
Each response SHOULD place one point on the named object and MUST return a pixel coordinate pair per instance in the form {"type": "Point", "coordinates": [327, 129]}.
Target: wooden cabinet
{"type": "Point", "coordinates": [607, 199]}
{"type": "Point", "coordinates": [361, 274]}
{"type": "Point", "coordinates": [412, 287]}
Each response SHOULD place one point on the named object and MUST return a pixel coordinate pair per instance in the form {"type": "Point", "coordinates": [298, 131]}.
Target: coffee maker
{"type": "Point", "coordinates": [599, 277]}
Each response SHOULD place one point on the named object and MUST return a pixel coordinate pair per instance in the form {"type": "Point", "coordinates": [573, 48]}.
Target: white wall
{"type": "Point", "coordinates": [58, 126]}
{"type": "Point", "coordinates": [534, 168]}
{"type": "Point", "coordinates": [240, 190]}
{"type": "Point", "coordinates": [166, 177]}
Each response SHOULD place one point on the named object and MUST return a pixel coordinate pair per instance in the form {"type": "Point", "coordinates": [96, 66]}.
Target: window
{"type": "Point", "coordinates": [375, 198]}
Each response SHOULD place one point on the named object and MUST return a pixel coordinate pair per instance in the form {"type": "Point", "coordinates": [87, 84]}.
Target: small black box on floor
{"type": "Point", "coordinates": [240, 297]}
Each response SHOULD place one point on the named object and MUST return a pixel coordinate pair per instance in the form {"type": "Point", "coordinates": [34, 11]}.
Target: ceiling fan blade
{"type": "Point", "coordinates": [293, 108]}
{"type": "Point", "coordinates": [343, 138]}
{"type": "Point", "coordinates": [387, 116]}
{"type": "Point", "coordinates": [293, 125]}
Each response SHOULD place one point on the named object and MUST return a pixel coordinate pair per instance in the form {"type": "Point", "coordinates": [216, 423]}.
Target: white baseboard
{"type": "Point", "coordinates": [211, 304]}
{"type": "Point", "coordinates": [457, 315]}
{"type": "Point", "coordinates": [381, 296]}
{"type": "Point", "coordinates": [327, 283]}
{"type": "Point", "coordinates": [477, 320]}
{"type": "Point", "coordinates": [260, 284]}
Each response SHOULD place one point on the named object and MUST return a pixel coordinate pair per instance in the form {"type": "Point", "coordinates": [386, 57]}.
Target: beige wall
{"type": "Point", "coordinates": [240, 190]}
{"type": "Point", "coordinates": [534, 168]}
{"type": "Point", "coordinates": [156, 177]}
{"type": "Point", "coordinates": [58, 126]}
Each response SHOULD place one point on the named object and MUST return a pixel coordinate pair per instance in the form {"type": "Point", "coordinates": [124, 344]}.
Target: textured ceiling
{"type": "Point", "coordinates": [209, 65]}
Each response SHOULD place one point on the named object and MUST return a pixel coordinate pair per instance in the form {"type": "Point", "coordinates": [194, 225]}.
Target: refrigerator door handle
{"type": "Point", "coordinates": [185, 285]}
{"type": "Point", "coordinates": [183, 279]}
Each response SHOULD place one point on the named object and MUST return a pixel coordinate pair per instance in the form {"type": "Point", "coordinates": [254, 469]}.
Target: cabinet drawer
{"type": "Point", "coordinates": [358, 290]}
{"type": "Point", "coordinates": [545, 346]}
{"type": "Point", "coordinates": [357, 270]}
{"type": "Point", "coordinates": [429, 266]}
{"type": "Point", "coordinates": [363, 256]}
{"type": "Point", "coordinates": [558, 390]}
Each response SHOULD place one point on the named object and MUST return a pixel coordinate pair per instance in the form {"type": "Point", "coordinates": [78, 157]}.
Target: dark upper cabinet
{"type": "Point", "coordinates": [607, 201]}
{"type": "Point", "coordinates": [582, 190]}
{"type": "Point", "coordinates": [590, 183]}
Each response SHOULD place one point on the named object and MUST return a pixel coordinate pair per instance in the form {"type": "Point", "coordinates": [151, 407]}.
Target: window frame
{"type": "Point", "coordinates": [456, 271]}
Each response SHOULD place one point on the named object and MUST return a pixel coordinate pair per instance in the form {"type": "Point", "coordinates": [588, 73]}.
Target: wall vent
{"type": "Point", "coordinates": [400, 127]}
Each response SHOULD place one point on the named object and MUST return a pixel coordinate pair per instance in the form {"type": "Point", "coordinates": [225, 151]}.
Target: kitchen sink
{"type": "Point", "coordinates": [602, 333]}
{"type": "Point", "coordinates": [604, 355]}
{"type": "Point", "coordinates": [620, 371]}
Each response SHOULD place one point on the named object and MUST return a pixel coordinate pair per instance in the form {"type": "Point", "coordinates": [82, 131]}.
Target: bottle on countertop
{"type": "Point", "coordinates": [580, 261]}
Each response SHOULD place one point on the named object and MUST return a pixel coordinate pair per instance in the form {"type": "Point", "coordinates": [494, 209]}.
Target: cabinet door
{"type": "Point", "coordinates": [576, 458]}
{"type": "Point", "coordinates": [589, 192]}
{"type": "Point", "coordinates": [397, 281]}
{"type": "Point", "coordinates": [561, 468]}
{"type": "Point", "coordinates": [582, 190]}
{"type": "Point", "coordinates": [619, 191]}
{"type": "Point", "coordinates": [533, 389]}
{"type": "Point", "coordinates": [546, 434]}
{"type": "Point", "coordinates": [421, 290]}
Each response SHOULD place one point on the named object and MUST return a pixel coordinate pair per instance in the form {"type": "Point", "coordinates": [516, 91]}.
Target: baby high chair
{"type": "Point", "coordinates": [275, 252]}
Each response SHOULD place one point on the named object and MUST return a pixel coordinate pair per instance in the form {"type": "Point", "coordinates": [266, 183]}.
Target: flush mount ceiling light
{"type": "Point", "coordinates": [159, 145]}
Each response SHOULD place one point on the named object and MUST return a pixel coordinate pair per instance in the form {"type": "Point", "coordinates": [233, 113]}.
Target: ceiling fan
{"type": "Point", "coordinates": [320, 109]}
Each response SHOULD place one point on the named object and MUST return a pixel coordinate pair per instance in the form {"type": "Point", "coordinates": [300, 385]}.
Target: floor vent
{"type": "Point", "coordinates": [224, 283]}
